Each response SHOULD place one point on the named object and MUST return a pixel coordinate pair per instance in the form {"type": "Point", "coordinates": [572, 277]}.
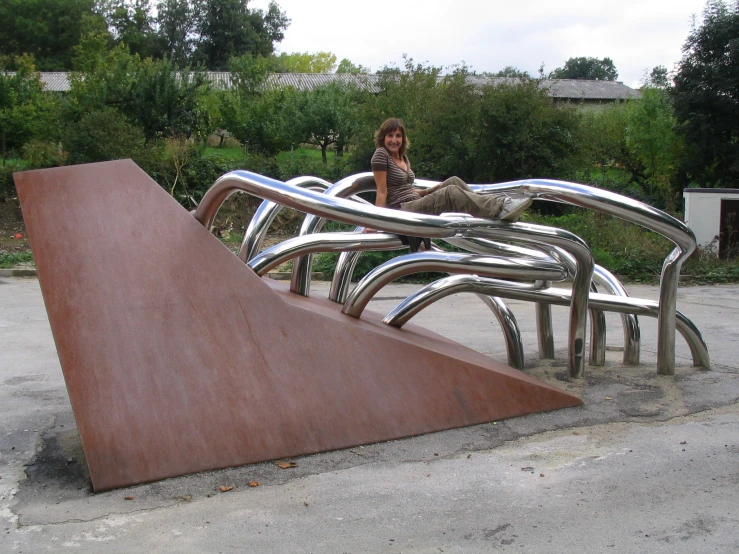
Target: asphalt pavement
{"type": "Point", "coordinates": [650, 463]}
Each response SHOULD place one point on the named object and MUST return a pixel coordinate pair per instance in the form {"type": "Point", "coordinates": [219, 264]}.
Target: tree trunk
{"type": "Point", "coordinates": [324, 145]}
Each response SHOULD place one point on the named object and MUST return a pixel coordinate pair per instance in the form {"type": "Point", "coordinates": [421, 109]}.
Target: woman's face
{"type": "Point", "coordinates": [393, 142]}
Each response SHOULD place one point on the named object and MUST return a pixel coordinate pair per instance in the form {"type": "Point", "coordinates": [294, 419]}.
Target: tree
{"type": "Point", "coordinates": [133, 25]}
{"type": "Point", "coordinates": [706, 97]}
{"type": "Point", "coordinates": [324, 116]}
{"type": "Point", "coordinates": [510, 71]}
{"type": "Point", "coordinates": [26, 112]}
{"type": "Point", "coordinates": [521, 133]}
{"type": "Point", "coordinates": [346, 66]}
{"type": "Point", "coordinates": [651, 137]}
{"type": "Point", "coordinates": [46, 29]}
{"type": "Point", "coordinates": [177, 21]}
{"type": "Point", "coordinates": [250, 111]}
{"type": "Point", "coordinates": [658, 78]}
{"type": "Point", "coordinates": [229, 28]}
{"type": "Point", "coordinates": [318, 62]}
{"type": "Point", "coordinates": [593, 69]}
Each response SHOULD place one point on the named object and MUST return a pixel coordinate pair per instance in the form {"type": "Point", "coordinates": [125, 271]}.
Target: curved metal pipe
{"type": "Point", "coordinates": [348, 187]}
{"type": "Point", "coordinates": [635, 212]}
{"type": "Point", "coordinates": [265, 215]}
{"type": "Point", "coordinates": [342, 280]}
{"type": "Point", "coordinates": [629, 322]}
{"type": "Point", "coordinates": [536, 235]}
{"type": "Point", "coordinates": [481, 285]}
{"type": "Point", "coordinates": [447, 262]}
{"type": "Point", "coordinates": [509, 326]}
{"type": "Point", "coordinates": [322, 242]}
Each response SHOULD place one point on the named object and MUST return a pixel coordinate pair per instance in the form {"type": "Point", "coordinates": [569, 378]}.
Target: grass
{"type": "Point", "coordinates": [229, 154]}
{"type": "Point", "coordinates": [10, 259]}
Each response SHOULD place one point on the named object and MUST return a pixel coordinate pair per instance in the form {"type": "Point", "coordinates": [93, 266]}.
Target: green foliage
{"type": "Point", "coordinates": [625, 249]}
{"type": "Point", "coordinates": [346, 66]}
{"type": "Point", "coordinates": [25, 111]}
{"type": "Point", "coordinates": [229, 28]}
{"type": "Point", "coordinates": [48, 30]}
{"type": "Point", "coordinates": [10, 259]}
{"type": "Point", "coordinates": [522, 134]}
{"type": "Point", "coordinates": [132, 24]}
{"type": "Point", "coordinates": [7, 185]}
{"type": "Point", "coordinates": [651, 138]}
{"type": "Point", "coordinates": [511, 71]}
{"type": "Point", "coordinates": [101, 135]}
{"type": "Point", "coordinates": [40, 154]}
{"type": "Point", "coordinates": [594, 69]}
{"type": "Point", "coordinates": [325, 115]}
{"type": "Point", "coordinates": [167, 103]}
{"type": "Point", "coordinates": [177, 21]}
{"type": "Point", "coordinates": [304, 62]}
{"type": "Point", "coordinates": [706, 97]}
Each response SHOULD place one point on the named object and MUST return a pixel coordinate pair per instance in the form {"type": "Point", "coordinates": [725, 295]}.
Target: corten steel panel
{"type": "Point", "coordinates": [178, 358]}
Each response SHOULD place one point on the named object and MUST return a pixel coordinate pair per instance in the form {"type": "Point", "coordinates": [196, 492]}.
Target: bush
{"type": "Point", "coordinates": [40, 154]}
{"type": "Point", "coordinates": [102, 135]}
{"type": "Point", "coordinates": [7, 186]}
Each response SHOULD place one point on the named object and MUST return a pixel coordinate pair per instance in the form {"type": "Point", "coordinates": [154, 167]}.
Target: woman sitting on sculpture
{"type": "Point", "coordinates": [394, 179]}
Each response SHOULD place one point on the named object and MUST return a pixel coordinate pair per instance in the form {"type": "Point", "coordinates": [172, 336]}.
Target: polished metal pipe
{"type": "Point", "coordinates": [446, 287]}
{"type": "Point", "coordinates": [322, 242]}
{"type": "Point", "coordinates": [536, 235]}
{"type": "Point", "coordinates": [509, 325]}
{"type": "Point", "coordinates": [635, 212]}
{"type": "Point", "coordinates": [265, 215]}
{"type": "Point", "coordinates": [449, 262]}
{"type": "Point", "coordinates": [629, 322]}
{"type": "Point", "coordinates": [506, 289]}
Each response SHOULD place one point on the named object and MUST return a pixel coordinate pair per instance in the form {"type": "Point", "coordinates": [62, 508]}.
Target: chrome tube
{"type": "Point", "coordinates": [635, 212]}
{"type": "Point", "coordinates": [349, 186]}
{"type": "Point", "coordinates": [562, 297]}
{"type": "Point", "coordinates": [536, 235]}
{"type": "Point", "coordinates": [509, 326]}
{"type": "Point", "coordinates": [322, 242]}
{"type": "Point", "coordinates": [265, 215]}
{"type": "Point", "coordinates": [447, 286]}
{"type": "Point", "coordinates": [629, 322]}
{"type": "Point", "coordinates": [448, 262]}
{"type": "Point", "coordinates": [545, 329]}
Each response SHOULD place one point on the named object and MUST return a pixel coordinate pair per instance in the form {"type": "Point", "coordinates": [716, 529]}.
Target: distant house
{"type": "Point", "coordinates": [587, 94]}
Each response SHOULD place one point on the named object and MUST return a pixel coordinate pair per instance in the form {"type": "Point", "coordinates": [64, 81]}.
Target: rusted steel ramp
{"type": "Point", "coordinates": [178, 358]}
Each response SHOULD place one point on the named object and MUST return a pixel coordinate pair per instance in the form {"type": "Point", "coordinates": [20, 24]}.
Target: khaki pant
{"type": "Point", "coordinates": [453, 195]}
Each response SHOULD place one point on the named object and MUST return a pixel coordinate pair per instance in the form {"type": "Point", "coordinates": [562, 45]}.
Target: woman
{"type": "Point", "coordinates": [394, 179]}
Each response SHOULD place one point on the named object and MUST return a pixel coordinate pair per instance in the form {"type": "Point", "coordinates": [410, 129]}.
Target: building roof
{"type": "Point", "coordinates": [559, 89]}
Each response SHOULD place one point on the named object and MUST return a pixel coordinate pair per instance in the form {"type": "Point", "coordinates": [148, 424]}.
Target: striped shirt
{"type": "Point", "coordinates": [399, 182]}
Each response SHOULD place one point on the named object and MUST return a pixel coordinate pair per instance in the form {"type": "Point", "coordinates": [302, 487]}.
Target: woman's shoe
{"type": "Point", "coordinates": [513, 208]}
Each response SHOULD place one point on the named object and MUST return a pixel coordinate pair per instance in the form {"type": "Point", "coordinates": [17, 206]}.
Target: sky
{"type": "Point", "coordinates": [488, 35]}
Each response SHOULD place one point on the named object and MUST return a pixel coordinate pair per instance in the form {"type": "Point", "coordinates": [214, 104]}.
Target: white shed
{"type": "Point", "coordinates": [712, 216]}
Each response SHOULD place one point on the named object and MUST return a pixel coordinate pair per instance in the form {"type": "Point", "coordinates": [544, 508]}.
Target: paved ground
{"type": "Point", "coordinates": [649, 464]}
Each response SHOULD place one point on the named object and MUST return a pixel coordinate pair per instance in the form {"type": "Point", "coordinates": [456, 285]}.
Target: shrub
{"type": "Point", "coordinates": [40, 154]}
{"type": "Point", "coordinates": [103, 135]}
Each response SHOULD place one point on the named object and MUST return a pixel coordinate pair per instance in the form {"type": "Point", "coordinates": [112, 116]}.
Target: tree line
{"type": "Point", "coordinates": [683, 131]}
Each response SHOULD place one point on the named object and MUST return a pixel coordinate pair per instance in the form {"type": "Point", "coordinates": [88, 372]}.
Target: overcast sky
{"type": "Point", "coordinates": [489, 35]}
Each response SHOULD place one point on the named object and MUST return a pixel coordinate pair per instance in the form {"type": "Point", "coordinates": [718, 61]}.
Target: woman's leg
{"type": "Point", "coordinates": [453, 195]}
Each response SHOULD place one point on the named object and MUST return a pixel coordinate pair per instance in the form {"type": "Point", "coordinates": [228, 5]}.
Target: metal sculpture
{"type": "Point", "coordinates": [178, 357]}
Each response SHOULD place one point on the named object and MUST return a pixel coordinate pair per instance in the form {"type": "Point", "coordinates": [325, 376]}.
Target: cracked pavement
{"type": "Point", "coordinates": [650, 463]}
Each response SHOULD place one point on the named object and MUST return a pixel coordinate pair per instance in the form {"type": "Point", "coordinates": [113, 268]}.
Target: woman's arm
{"type": "Point", "coordinates": [381, 183]}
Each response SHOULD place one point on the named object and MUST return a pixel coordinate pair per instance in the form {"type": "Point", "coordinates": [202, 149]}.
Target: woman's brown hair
{"type": "Point", "coordinates": [389, 126]}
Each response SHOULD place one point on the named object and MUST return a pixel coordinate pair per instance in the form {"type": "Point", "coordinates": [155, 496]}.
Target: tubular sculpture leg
{"type": "Point", "coordinates": [343, 276]}
{"type": "Point", "coordinates": [544, 330]}
{"type": "Point", "coordinates": [597, 335]}
{"type": "Point", "coordinates": [511, 332]}
{"type": "Point", "coordinates": [629, 322]}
